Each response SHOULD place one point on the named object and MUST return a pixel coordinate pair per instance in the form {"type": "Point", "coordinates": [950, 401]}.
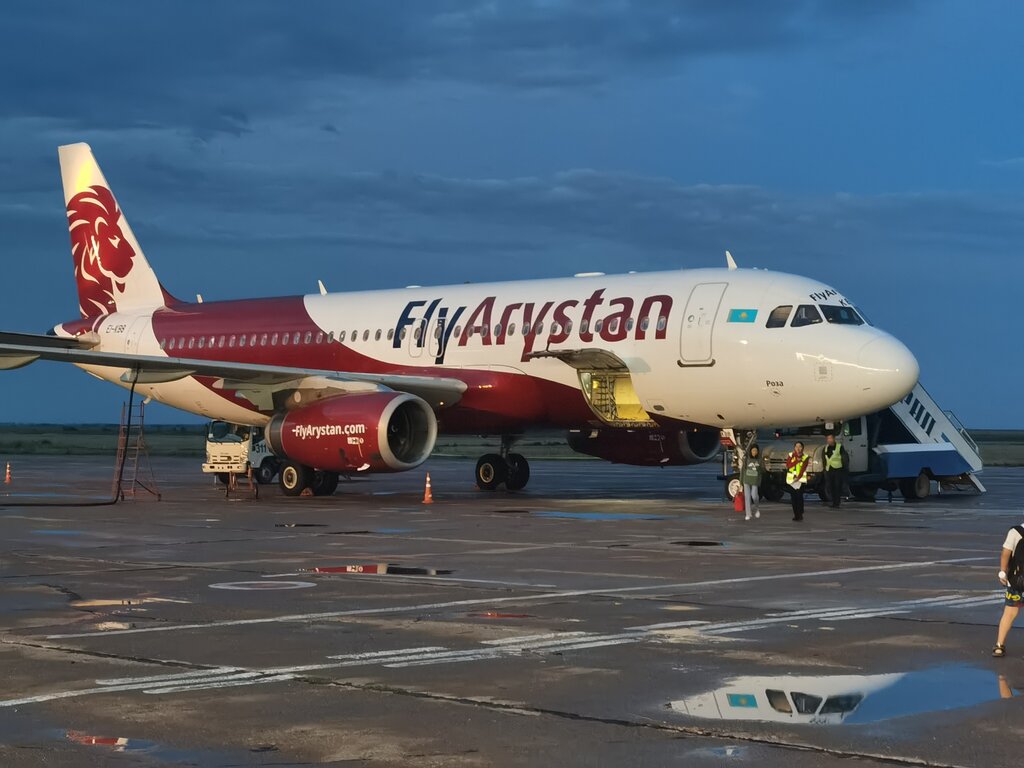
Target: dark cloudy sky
{"type": "Point", "coordinates": [876, 145]}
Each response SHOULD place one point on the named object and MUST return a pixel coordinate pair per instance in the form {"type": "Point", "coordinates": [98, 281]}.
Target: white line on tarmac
{"type": "Point", "coordinates": [552, 642]}
{"type": "Point", "coordinates": [494, 653]}
{"type": "Point", "coordinates": [512, 599]}
{"type": "Point", "coordinates": [868, 615]}
{"type": "Point", "coordinates": [197, 680]}
{"type": "Point", "coordinates": [411, 579]}
{"type": "Point", "coordinates": [668, 625]}
{"type": "Point", "coordinates": [543, 645]}
{"type": "Point", "coordinates": [966, 601]}
{"type": "Point", "coordinates": [848, 614]}
{"type": "Point", "coordinates": [385, 654]}
{"type": "Point", "coordinates": [470, 654]}
{"type": "Point", "coordinates": [533, 638]}
{"type": "Point", "coordinates": [172, 678]}
{"type": "Point", "coordinates": [218, 684]}
{"type": "Point", "coordinates": [601, 643]}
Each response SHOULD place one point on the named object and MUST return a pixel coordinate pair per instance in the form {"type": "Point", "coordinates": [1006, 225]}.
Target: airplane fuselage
{"type": "Point", "coordinates": [696, 344]}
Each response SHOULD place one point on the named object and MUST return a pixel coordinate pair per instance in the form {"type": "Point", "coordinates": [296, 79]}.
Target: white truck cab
{"type": "Point", "coordinates": [234, 448]}
{"type": "Point", "coordinates": [910, 446]}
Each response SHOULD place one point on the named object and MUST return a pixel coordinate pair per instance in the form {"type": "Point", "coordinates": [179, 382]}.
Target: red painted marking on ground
{"type": "Point", "coordinates": [372, 568]}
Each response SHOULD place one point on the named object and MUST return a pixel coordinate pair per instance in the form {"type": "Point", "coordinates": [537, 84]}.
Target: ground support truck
{"type": "Point", "coordinates": [911, 447]}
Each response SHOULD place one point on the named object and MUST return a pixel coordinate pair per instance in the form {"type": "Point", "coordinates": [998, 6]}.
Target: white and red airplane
{"type": "Point", "coordinates": [643, 369]}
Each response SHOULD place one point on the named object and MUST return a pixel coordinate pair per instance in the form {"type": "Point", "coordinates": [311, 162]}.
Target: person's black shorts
{"type": "Point", "coordinates": [1013, 598]}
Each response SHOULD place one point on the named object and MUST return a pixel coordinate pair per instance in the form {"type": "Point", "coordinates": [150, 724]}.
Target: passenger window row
{"type": "Point", "coordinates": [284, 339]}
{"type": "Point", "coordinates": [245, 340]}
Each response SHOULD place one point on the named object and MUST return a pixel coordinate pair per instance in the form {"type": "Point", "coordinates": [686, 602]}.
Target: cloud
{"type": "Point", "coordinates": [209, 69]}
{"type": "Point", "coordinates": [657, 217]}
{"type": "Point", "coordinates": [1007, 162]}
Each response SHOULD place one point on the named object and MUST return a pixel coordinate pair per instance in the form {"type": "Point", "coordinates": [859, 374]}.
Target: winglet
{"type": "Point", "coordinates": [730, 261]}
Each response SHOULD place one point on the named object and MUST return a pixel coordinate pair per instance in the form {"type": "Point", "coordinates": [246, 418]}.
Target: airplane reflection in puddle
{"type": "Point", "coordinates": [849, 699]}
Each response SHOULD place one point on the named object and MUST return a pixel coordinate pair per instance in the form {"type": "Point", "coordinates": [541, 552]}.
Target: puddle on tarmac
{"type": "Point", "coordinates": [730, 751]}
{"type": "Point", "coordinates": [165, 754]}
{"type": "Point", "coordinates": [51, 495]}
{"type": "Point", "coordinates": [379, 531]}
{"type": "Point", "coordinates": [595, 515]}
{"type": "Point", "coordinates": [847, 699]}
{"type": "Point", "coordinates": [56, 532]}
{"type": "Point", "coordinates": [698, 543]}
{"type": "Point", "coordinates": [35, 735]}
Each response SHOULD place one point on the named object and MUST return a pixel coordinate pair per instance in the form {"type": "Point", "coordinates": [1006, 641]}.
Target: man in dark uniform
{"type": "Point", "coordinates": [836, 464]}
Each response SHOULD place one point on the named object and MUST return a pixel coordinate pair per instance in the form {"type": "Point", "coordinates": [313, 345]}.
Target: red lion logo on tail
{"type": "Point", "coordinates": [103, 258]}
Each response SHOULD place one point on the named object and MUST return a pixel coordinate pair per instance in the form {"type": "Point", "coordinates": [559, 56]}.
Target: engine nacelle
{"type": "Point", "coordinates": [648, 447]}
{"type": "Point", "coordinates": [371, 432]}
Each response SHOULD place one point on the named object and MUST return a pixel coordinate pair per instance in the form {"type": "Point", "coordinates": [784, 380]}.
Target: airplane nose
{"type": "Point", "coordinates": [893, 367]}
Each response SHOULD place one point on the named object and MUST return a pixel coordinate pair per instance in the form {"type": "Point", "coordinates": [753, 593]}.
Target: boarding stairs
{"type": "Point", "coordinates": [940, 432]}
{"type": "Point", "coordinates": [132, 469]}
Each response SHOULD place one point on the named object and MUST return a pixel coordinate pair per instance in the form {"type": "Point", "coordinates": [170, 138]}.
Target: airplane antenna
{"type": "Point", "coordinates": [730, 261]}
{"type": "Point", "coordinates": [323, 289]}
{"type": "Point", "coordinates": [199, 298]}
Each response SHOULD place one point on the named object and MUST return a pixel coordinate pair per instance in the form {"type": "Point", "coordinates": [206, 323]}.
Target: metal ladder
{"type": "Point", "coordinates": [133, 454]}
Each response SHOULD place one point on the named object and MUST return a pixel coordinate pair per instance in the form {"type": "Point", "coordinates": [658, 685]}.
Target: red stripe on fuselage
{"type": "Point", "coordinates": [494, 401]}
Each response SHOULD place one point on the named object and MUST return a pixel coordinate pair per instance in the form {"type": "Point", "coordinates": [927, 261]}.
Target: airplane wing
{"type": "Point", "coordinates": [256, 382]}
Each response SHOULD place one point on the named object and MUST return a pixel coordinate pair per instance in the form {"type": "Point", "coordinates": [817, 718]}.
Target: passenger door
{"type": "Point", "coordinates": [695, 340]}
{"type": "Point", "coordinates": [415, 339]}
{"type": "Point", "coordinates": [435, 338]}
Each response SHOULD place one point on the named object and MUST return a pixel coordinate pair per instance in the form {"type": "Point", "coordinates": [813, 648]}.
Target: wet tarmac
{"type": "Point", "coordinates": [606, 616]}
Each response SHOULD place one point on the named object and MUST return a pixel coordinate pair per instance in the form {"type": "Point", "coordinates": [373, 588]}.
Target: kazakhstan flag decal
{"type": "Point", "coordinates": [742, 315]}
{"type": "Point", "coordinates": [746, 700]}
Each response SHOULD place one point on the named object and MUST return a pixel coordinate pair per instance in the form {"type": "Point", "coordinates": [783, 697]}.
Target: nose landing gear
{"type": "Point", "coordinates": [493, 469]}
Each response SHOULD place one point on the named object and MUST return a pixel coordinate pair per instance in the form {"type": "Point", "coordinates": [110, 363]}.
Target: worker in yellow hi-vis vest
{"type": "Point", "coordinates": [796, 478]}
{"type": "Point", "coordinates": [836, 464]}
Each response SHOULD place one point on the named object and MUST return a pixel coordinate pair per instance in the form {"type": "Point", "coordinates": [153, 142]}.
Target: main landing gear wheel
{"type": "Point", "coordinates": [295, 478]}
{"type": "Point", "coordinates": [518, 472]}
{"type": "Point", "coordinates": [491, 471]}
{"type": "Point", "coordinates": [324, 483]}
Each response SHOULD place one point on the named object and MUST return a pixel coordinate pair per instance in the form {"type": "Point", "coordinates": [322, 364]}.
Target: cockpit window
{"type": "Point", "coordinates": [806, 703]}
{"type": "Point", "coordinates": [806, 314]}
{"type": "Point", "coordinates": [841, 315]}
{"type": "Point", "coordinates": [779, 316]}
{"type": "Point", "coordinates": [841, 704]}
{"type": "Point", "coordinates": [778, 701]}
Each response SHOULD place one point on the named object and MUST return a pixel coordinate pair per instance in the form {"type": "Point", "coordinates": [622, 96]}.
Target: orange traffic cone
{"type": "Point", "coordinates": [428, 496]}
{"type": "Point", "coordinates": [7, 477]}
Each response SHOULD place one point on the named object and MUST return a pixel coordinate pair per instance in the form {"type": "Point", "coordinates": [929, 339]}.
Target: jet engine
{"type": "Point", "coordinates": [647, 447]}
{"type": "Point", "coordinates": [374, 432]}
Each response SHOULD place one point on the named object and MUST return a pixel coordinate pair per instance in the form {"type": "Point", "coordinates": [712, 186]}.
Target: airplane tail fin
{"type": "Point", "coordinates": [111, 271]}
